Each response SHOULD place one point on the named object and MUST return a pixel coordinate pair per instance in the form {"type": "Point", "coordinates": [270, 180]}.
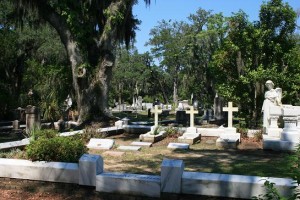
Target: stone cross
{"type": "Point", "coordinates": [192, 112]}
{"type": "Point", "coordinates": [156, 111]}
{"type": "Point", "coordinates": [230, 109]}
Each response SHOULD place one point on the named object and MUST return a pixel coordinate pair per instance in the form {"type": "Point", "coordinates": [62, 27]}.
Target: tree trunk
{"type": "Point", "coordinates": [91, 90]}
{"type": "Point", "coordinates": [175, 92]}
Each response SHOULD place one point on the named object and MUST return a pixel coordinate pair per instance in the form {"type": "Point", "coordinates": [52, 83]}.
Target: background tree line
{"type": "Point", "coordinates": [230, 56]}
{"type": "Point", "coordinates": [206, 55]}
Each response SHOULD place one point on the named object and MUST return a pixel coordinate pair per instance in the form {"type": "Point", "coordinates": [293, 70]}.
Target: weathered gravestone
{"type": "Point", "coordinates": [33, 118]}
{"type": "Point", "coordinates": [218, 105]}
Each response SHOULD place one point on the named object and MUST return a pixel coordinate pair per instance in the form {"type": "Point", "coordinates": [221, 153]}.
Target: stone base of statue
{"type": "Point", "coordinates": [276, 144]}
{"type": "Point", "coordinates": [274, 132]}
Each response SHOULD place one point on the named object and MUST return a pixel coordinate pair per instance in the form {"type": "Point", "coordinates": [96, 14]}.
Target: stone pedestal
{"type": "Point", "coordinates": [171, 174]}
{"type": "Point", "coordinates": [289, 138]}
{"type": "Point", "coordinates": [89, 167]}
{"type": "Point", "coordinates": [290, 131]}
{"type": "Point", "coordinates": [16, 125]}
{"type": "Point", "coordinates": [33, 118]}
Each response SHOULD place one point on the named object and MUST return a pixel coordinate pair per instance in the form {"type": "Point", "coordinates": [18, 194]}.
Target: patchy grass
{"type": "Point", "coordinates": [201, 157]}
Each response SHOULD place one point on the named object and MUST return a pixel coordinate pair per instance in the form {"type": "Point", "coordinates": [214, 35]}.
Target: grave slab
{"type": "Point", "coordinates": [234, 186]}
{"type": "Point", "coordinates": [129, 148]}
{"type": "Point", "coordinates": [40, 170]}
{"type": "Point", "coordinates": [143, 144]}
{"type": "Point", "coordinates": [96, 143]}
{"type": "Point", "coordinates": [227, 143]}
{"type": "Point", "coordinates": [189, 138]}
{"type": "Point", "coordinates": [149, 137]}
{"type": "Point", "coordinates": [274, 143]}
{"type": "Point", "coordinates": [211, 132]}
{"type": "Point", "coordinates": [14, 144]}
{"type": "Point", "coordinates": [173, 145]}
{"type": "Point", "coordinates": [133, 184]}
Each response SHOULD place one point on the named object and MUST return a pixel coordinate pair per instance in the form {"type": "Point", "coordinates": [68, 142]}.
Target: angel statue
{"type": "Point", "coordinates": [272, 98]}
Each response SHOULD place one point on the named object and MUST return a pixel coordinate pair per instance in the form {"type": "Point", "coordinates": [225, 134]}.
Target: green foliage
{"type": "Point", "coordinates": [172, 132]}
{"type": "Point", "coordinates": [13, 154]}
{"type": "Point", "coordinates": [243, 132]}
{"type": "Point", "coordinates": [157, 130]}
{"type": "Point", "coordinates": [258, 135]}
{"type": "Point", "coordinates": [271, 192]}
{"type": "Point", "coordinates": [37, 133]}
{"type": "Point", "coordinates": [91, 131]}
{"type": "Point", "coordinates": [49, 147]}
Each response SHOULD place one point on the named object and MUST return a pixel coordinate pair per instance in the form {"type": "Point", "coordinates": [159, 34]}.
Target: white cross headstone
{"type": "Point", "coordinates": [230, 110]}
{"type": "Point", "coordinates": [156, 111]}
{"type": "Point", "coordinates": [192, 112]}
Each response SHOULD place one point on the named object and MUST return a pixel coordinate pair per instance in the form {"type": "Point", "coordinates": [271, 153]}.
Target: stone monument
{"type": "Point", "coordinates": [155, 134]}
{"type": "Point", "coordinates": [272, 98]}
{"type": "Point", "coordinates": [274, 137]}
{"type": "Point", "coordinates": [33, 118]}
{"type": "Point", "coordinates": [190, 136]}
{"type": "Point", "coordinates": [229, 138]}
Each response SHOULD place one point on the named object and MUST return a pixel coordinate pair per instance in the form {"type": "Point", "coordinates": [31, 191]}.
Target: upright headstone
{"type": "Point", "coordinates": [218, 105]}
{"type": "Point", "coordinates": [33, 118]}
{"type": "Point", "coordinates": [181, 117]}
{"type": "Point", "coordinates": [230, 110]}
{"type": "Point", "coordinates": [192, 112]}
{"type": "Point", "coordinates": [140, 103]}
{"type": "Point", "coordinates": [156, 111]}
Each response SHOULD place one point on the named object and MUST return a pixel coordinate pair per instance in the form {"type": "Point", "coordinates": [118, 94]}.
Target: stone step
{"type": "Point", "coordinates": [96, 143]}
{"type": "Point", "coordinates": [173, 145]}
{"type": "Point", "coordinates": [142, 144]}
{"type": "Point", "coordinates": [129, 148]}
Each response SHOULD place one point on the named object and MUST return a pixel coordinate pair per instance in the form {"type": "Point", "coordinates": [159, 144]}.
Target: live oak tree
{"type": "Point", "coordinates": [89, 31]}
{"type": "Point", "coordinates": [255, 52]}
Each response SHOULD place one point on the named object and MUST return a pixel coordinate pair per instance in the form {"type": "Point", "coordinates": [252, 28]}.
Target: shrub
{"type": "Point", "coordinates": [60, 149]}
{"type": "Point", "coordinates": [91, 132]}
{"type": "Point", "coordinates": [243, 132]}
{"type": "Point", "coordinates": [258, 135]}
{"type": "Point", "coordinates": [172, 131]}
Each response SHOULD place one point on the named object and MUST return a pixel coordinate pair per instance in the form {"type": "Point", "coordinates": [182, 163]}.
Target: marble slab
{"type": "Point", "coordinates": [143, 144]}
{"type": "Point", "coordinates": [276, 144]}
{"type": "Point", "coordinates": [96, 143]}
{"type": "Point", "coordinates": [211, 132]}
{"type": "Point", "coordinates": [190, 138]}
{"type": "Point", "coordinates": [232, 186]}
{"type": "Point", "coordinates": [14, 144]}
{"type": "Point", "coordinates": [227, 143]}
{"type": "Point", "coordinates": [66, 134]}
{"type": "Point", "coordinates": [173, 145]}
{"type": "Point", "coordinates": [41, 171]}
{"type": "Point", "coordinates": [129, 148]}
{"type": "Point", "coordinates": [132, 184]}
{"type": "Point", "coordinates": [149, 137]}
